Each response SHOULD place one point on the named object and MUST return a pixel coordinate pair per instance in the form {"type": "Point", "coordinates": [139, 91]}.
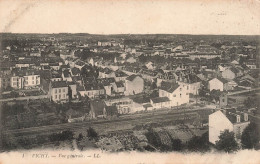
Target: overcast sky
{"type": "Point", "coordinates": [138, 17]}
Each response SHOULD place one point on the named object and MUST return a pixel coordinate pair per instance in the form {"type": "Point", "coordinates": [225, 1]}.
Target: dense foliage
{"type": "Point", "coordinates": [227, 142]}
{"type": "Point", "coordinates": [250, 136]}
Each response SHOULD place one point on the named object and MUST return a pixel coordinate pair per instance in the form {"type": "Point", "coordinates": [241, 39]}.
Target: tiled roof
{"type": "Point", "coordinates": [66, 73]}
{"type": "Point", "coordinates": [59, 84]}
{"type": "Point", "coordinates": [120, 74]}
{"type": "Point", "coordinates": [80, 88]}
{"type": "Point", "coordinates": [222, 80]}
{"type": "Point", "coordinates": [94, 86]}
{"type": "Point", "coordinates": [53, 64]}
{"type": "Point", "coordinates": [132, 77]}
{"type": "Point", "coordinates": [141, 100]}
{"type": "Point", "coordinates": [76, 78]}
{"type": "Point", "coordinates": [147, 105]}
{"type": "Point", "coordinates": [233, 69]}
{"type": "Point", "coordinates": [106, 70]}
{"type": "Point", "coordinates": [106, 81]}
{"type": "Point", "coordinates": [232, 114]}
{"type": "Point", "coordinates": [160, 99]}
{"type": "Point", "coordinates": [169, 86]}
{"type": "Point", "coordinates": [24, 72]}
{"type": "Point", "coordinates": [75, 71]}
{"type": "Point", "coordinates": [64, 67]}
{"type": "Point", "coordinates": [119, 84]}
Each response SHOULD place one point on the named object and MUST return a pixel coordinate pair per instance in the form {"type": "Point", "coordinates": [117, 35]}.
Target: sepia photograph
{"type": "Point", "coordinates": [130, 81]}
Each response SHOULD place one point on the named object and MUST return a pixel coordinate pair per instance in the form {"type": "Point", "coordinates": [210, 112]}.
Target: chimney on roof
{"type": "Point", "coordinates": [245, 116]}
{"type": "Point", "coordinates": [238, 118]}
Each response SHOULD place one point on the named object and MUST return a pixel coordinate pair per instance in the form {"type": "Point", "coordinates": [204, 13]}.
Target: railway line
{"type": "Point", "coordinates": [125, 122]}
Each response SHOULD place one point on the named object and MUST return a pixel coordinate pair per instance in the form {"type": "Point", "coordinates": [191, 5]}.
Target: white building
{"type": "Point", "coordinates": [177, 94]}
{"type": "Point", "coordinates": [220, 121]}
{"type": "Point", "coordinates": [25, 79]}
{"type": "Point", "coordinates": [218, 84]}
{"type": "Point", "coordinates": [59, 91]}
{"type": "Point", "coordinates": [133, 85]}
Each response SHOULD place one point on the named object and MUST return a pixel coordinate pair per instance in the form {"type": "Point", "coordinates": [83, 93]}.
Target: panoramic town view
{"type": "Point", "coordinates": [126, 92]}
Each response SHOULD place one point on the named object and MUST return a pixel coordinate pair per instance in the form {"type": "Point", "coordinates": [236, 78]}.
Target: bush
{"type": "Point", "coordinates": [176, 145]}
{"type": "Point", "coordinates": [65, 135]}
{"type": "Point", "coordinates": [250, 136]}
{"type": "Point", "coordinates": [92, 133]}
{"type": "Point", "coordinates": [227, 142]}
{"type": "Point", "coordinates": [197, 143]}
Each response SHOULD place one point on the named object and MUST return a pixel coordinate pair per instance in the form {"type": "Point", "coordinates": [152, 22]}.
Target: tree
{"type": "Point", "coordinates": [176, 145]}
{"type": "Point", "coordinates": [214, 95]}
{"type": "Point", "coordinates": [227, 142]}
{"type": "Point", "coordinates": [153, 138]}
{"type": "Point", "coordinates": [251, 102]}
{"type": "Point", "coordinates": [250, 136]}
{"type": "Point", "coordinates": [198, 143]}
{"type": "Point", "coordinates": [80, 137]}
{"type": "Point", "coordinates": [92, 133]}
{"type": "Point", "coordinates": [153, 86]}
{"type": "Point", "coordinates": [69, 93]}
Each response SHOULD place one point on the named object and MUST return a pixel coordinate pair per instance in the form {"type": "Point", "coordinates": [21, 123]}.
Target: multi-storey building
{"type": "Point", "coordinates": [231, 120]}
{"type": "Point", "coordinates": [25, 79]}
{"type": "Point", "coordinates": [177, 94]}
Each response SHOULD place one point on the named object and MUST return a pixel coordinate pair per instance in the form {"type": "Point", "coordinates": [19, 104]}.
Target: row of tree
{"type": "Point", "coordinates": [249, 140]}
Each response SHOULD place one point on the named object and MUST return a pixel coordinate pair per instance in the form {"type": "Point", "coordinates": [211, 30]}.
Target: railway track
{"type": "Point", "coordinates": [141, 119]}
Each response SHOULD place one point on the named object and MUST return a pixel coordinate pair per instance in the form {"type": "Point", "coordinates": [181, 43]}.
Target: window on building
{"type": "Point", "coordinates": [64, 95]}
{"type": "Point", "coordinates": [63, 89]}
{"type": "Point", "coordinates": [55, 96]}
{"type": "Point", "coordinates": [32, 82]}
{"type": "Point", "coordinates": [33, 78]}
{"type": "Point", "coordinates": [59, 90]}
{"type": "Point", "coordinates": [55, 90]}
{"type": "Point", "coordinates": [187, 87]}
{"type": "Point", "coordinates": [59, 96]}
{"type": "Point", "coordinates": [180, 95]}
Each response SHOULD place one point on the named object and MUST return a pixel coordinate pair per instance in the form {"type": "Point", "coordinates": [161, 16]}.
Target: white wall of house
{"type": "Point", "coordinates": [108, 89]}
{"type": "Point", "coordinates": [120, 78]}
{"type": "Point", "coordinates": [134, 87]}
{"type": "Point", "coordinates": [193, 88]}
{"type": "Point", "coordinates": [228, 74]}
{"type": "Point", "coordinates": [17, 82]}
{"type": "Point", "coordinates": [103, 75]}
{"type": "Point", "coordinates": [59, 94]}
{"type": "Point", "coordinates": [218, 122]}
{"type": "Point", "coordinates": [216, 84]}
{"type": "Point", "coordinates": [95, 93]}
{"type": "Point", "coordinates": [136, 107]}
{"type": "Point", "coordinates": [31, 80]}
{"type": "Point", "coordinates": [161, 105]}
{"type": "Point", "coordinates": [178, 97]}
